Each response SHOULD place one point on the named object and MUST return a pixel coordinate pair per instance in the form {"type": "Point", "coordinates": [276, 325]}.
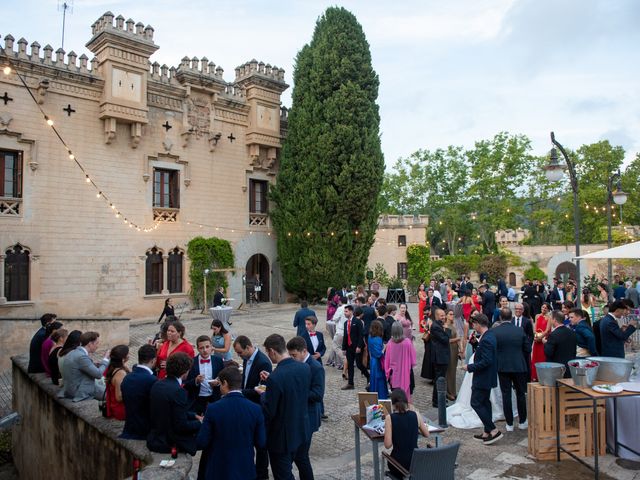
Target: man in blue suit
{"type": "Point", "coordinates": [136, 391]}
{"type": "Point", "coordinates": [612, 336]}
{"type": "Point", "coordinates": [172, 425]}
{"type": "Point", "coordinates": [485, 377]}
{"type": "Point", "coordinates": [231, 428]}
{"type": "Point", "coordinates": [297, 349]}
{"type": "Point", "coordinates": [253, 362]}
{"type": "Point", "coordinates": [285, 404]}
{"type": "Point", "coordinates": [300, 316]}
{"type": "Point", "coordinates": [314, 340]}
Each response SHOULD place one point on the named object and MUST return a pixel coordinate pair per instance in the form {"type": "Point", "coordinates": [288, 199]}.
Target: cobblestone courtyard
{"type": "Point", "coordinates": [332, 450]}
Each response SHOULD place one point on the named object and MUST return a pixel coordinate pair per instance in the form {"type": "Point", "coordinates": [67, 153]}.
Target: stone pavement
{"type": "Point", "coordinates": [332, 450]}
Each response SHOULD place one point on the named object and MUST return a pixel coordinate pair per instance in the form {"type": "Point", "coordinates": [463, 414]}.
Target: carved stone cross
{"type": "Point", "coordinates": [231, 137]}
{"type": "Point", "coordinates": [69, 110]}
{"type": "Point", "coordinates": [6, 98]}
{"type": "Point", "coordinates": [166, 126]}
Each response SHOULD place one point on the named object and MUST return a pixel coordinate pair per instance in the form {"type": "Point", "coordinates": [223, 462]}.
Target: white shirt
{"type": "Point", "coordinates": [339, 319]}
{"type": "Point", "coordinates": [518, 321]}
{"type": "Point", "coordinates": [561, 295]}
{"type": "Point", "coordinates": [248, 367]}
{"type": "Point", "coordinates": [146, 368]}
{"type": "Point", "coordinates": [314, 341]}
{"type": "Point", "coordinates": [207, 372]}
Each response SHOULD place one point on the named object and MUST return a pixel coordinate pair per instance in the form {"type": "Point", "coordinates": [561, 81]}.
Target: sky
{"type": "Point", "coordinates": [451, 73]}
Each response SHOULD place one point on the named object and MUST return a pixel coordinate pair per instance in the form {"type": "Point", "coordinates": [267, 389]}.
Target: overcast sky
{"type": "Point", "coordinates": [450, 72]}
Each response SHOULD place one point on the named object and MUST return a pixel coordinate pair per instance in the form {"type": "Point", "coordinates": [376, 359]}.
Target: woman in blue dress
{"type": "Point", "coordinates": [221, 341]}
{"type": "Point", "coordinates": [378, 380]}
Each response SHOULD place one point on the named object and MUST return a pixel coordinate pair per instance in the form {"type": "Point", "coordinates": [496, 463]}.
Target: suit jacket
{"type": "Point", "coordinates": [488, 303]}
{"type": "Point", "coordinates": [35, 348]}
{"type": "Point", "coordinates": [285, 406]}
{"type": "Point", "coordinates": [527, 327]}
{"type": "Point", "coordinates": [485, 363]}
{"type": "Point", "coordinates": [80, 375]}
{"type": "Point", "coordinates": [561, 347]}
{"type": "Point", "coordinates": [322, 348]}
{"type": "Point", "coordinates": [190, 383]}
{"type": "Point", "coordinates": [554, 297]}
{"type": "Point", "coordinates": [431, 304]}
{"type": "Point", "coordinates": [531, 296]}
{"type": "Point", "coordinates": [231, 428]}
{"type": "Point", "coordinates": [357, 338]}
{"type": "Point", "coordinates": [298, 320]}
{"type": "Point", "coordinates": [316, 394]}
{"type": "Point", "coordinates": [387, 323]}
{"type": "Point", "coordinates": [612, 337]}
{"type": "Point", "coordinates": [260, 362]}
{"type": "Point", "coordinates": [369, 314]}
{"type": "Point", "coordinates": [512, 347]}
{"type": "Point", "coordinates": [217, 299]}
{"type": "Point", "coordinates": [440, 347]}
{"type": "Point", "coordinates": [136, 391]}
{"type": "Point", "coordinates": [171, 422]}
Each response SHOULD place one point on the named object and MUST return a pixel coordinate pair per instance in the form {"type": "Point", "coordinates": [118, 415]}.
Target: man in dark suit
{"type": "Point", "coordinates": [200, 381]}
{"type": "Point", "coordinates": [35, 347]}
{"type": "Point", "coordinates": [217, 298]}
{"type": "Point", "coordinates": [285, 403]}
{"type": "Point", "coordinates": [314, 340]}
{"type": "Point", "coordinates": [488, 300]}
{"type": "Point", "coordinates": [561, 344]}
{"type": "Point", "coordinates": [531, 296]}
{"type": "Point", "coordinates": [513, 348]}
{"type": "Point", "coordinates": [297, 349]}
{"type": "Point", "coordinates": [253, 362]}
{"type": "Point", "coordinates": [526, 324]}
{"type": "Point", "coordinates": [612, 336]}
{"type": "Point", "coordinates": [352, 342]}
{"type": "Point", "coordinates": [557, 296]}
{"type": "Point", "coordinates": [231, 428]}
{"type": "Point", "coordinates": [172, 425]}
{"type": "Point", "coordinates": [485, 377]}
{"type": "Point", "coordinates": [432, 304]}
{"type": "Point", "coordinates": [300, 316]}
{"type": "Point", "coordinates": [136, 391]}
{"type": "Point", "coordinates": [440, 350]}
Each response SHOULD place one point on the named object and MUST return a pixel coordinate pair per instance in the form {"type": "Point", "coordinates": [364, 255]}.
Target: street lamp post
{"type": "Point", "coordinates": [619, 198]}
{"type": "Point", "coordinates": [555, 172]}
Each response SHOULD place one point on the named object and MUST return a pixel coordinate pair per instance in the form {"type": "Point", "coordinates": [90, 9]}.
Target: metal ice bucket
{"type": "Point", "coordinates": [612, 369]}
{"type": "Point", "coordinates": [583, 376]}
{"type": "Point", "coordinates": [549, 372]}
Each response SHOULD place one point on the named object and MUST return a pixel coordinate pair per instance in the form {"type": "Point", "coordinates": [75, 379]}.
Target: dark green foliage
{"type": "Point", "coordinates": [208, 253]}
{"type": "Point", "coordinates": [534, 272]}
{"type": "Point", "coordinates": [494, 266]}
{"type": "Point", "coordinates": [331, 166]}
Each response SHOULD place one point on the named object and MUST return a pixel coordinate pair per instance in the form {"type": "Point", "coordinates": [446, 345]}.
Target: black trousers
{"type": "Point", "coordinates": [481, 404]}
{"type": "Point", "coordinates": [262, 463]}
{"type": "Point", "coordinates": [282, 463]}
{"type": "Point", "coordinates": [355, 359]}
{"type": "Point", "coordinates": [200, 404]}
{"type": "Point", "coordinates": [440, 371]}
{"type": "Point", "coordinates": [519, 382]}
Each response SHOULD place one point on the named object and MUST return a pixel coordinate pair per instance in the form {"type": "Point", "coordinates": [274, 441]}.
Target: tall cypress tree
{"type": "Point", "coordinates": [331, 166]}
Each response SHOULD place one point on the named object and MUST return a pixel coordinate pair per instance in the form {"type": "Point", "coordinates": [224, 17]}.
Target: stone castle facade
{"type": "Point", "coordinates": [166, 154]}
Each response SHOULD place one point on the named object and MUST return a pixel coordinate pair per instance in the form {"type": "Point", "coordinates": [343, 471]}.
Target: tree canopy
{"type": "Point", "coordinates": [331, 167]}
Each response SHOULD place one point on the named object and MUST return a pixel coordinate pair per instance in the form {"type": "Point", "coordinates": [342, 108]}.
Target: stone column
{"type": "Point", "coordinates": [3, 298]}
{"type": "Point", "coordinates": [165, 274]}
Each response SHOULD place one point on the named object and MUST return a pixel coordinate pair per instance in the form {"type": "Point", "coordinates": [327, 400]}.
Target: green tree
{"type": "Point", "coordinates": [208, 253]}
{"type": "Point", "coordinates": [331, 169]}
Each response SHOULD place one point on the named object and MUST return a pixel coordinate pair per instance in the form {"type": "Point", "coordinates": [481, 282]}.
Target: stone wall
{"type": "Point", "coordinates": [17, 333]}
{"type": "Point", "coordinates": [59, 438]}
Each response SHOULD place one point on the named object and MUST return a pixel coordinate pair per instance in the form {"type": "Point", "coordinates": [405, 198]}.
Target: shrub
{"type": "Point", "coordinates": [208, 253]}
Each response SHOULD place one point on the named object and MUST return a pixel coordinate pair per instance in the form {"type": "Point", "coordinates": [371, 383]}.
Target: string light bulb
{"type": "Point", "coordinates": [6, 70]}
{"type": "Point", "coordinates": [49, 121]}
{"type": "Point", "coordinates": [87, 179]}
{"type": "Point", "coordinates": [98, 194]}
{"type": "Point", "coordinates": [113, 207]}
{"type": "Point", "coordinates": [72, 156]}
{"type": "Point", "coordinates": [118, 215]}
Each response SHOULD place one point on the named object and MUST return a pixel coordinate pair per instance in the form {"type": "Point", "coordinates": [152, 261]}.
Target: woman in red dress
{"type": "Point", "coordinates": [541, 328]}
{"type": "Point", "coordinates": [114, 375]}
{"type": "Point", "coordinates": [467, 304]}
{"type": "Point", "coordinates": [422, 302]}
{"type": "Point", "coordinates": [475, 298]}
{"type": "Point", "coordinates": [175, 343]}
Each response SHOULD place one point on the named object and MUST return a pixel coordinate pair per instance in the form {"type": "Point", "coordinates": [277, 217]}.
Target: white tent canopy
{"type": "Point", "coordinates": [630, 250]}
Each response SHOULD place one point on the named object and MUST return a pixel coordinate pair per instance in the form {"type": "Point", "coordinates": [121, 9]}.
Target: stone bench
{"type": "Point", "coordinates": [57, 437]}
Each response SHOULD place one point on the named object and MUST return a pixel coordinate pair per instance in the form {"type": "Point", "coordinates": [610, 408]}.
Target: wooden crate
{"type": "Point", "coordinates": [576, 422]}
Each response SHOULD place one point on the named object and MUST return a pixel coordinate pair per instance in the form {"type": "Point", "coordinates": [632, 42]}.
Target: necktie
{"type": "Point", "coordinates": [202, 360]}
{"type": "Point", "coordinates": [518, 322]}
{"type": "Point", "coordinates": [349, 333]}
{"type": "Point", "coordinates": [312, 334]}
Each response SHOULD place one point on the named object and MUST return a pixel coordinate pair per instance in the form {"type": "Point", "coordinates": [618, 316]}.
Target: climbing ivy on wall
{"type": "Point", "coordinates": [208, 253]}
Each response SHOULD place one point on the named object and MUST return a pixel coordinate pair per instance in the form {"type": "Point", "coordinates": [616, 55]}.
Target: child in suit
{"type": "Point", "coordinates": [201, 383]}
{"type": "Point", "coordinates": [314, 340]}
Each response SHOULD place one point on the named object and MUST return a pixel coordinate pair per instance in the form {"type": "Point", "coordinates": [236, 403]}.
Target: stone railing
{"type": "Point", "coordinates": [258, 220]}
{"type": "Point", "coordinates": [73, 439]}
{"type": "Point", "coordinates": [406, 221]}
{"type": "Point", "coordinates": [10, 206]}
{"type": "Point", "coordinates": [165, 215]}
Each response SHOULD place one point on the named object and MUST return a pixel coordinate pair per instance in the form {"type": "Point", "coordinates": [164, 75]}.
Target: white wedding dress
{"type": "Point", "coordinates": [461, 415]}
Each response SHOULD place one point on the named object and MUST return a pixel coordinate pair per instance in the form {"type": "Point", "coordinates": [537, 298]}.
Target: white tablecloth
{"type": "Point", "coordinates": [223, 314]}
{"type": "Point", "coordinates": [628, 421]}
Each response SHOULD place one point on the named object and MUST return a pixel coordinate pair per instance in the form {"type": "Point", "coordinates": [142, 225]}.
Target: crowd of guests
{"type": "Point", "coordinates": [177, 400]}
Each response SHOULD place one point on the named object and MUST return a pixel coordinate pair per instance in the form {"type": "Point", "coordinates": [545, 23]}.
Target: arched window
{"type": "Point", "coordinates": [153, 271]}
{"type": "Point", "coordinates": [175, 270]}
{"type": "Point", "coordinates": [16, 274]}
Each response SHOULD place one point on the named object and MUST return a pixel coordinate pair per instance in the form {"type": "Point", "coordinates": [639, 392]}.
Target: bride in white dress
{"type": "Point", "coordinates": [461, 415]}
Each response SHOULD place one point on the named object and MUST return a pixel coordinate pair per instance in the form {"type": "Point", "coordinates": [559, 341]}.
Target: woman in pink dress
{"type": "Point", "coordinates": [422, 302]}
{"type": "Point", "coordinates": [399, 360]}
{"type": "Point", "coordinates": [541, 328]}
{"type": "Point", "coordinates": [405, 320]}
